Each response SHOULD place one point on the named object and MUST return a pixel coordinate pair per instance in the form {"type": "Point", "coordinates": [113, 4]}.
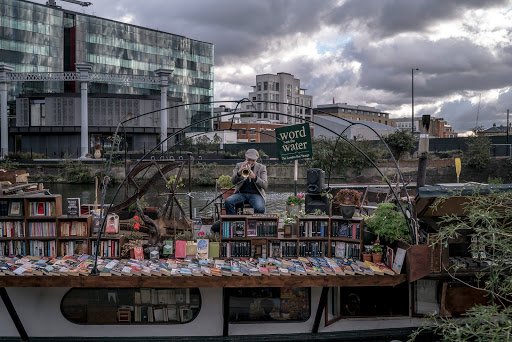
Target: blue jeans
{"type": "Point", "coordinates": [237, 200]}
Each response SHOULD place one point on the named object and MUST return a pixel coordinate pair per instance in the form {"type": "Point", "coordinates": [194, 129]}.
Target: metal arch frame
{"type": "Point", "coordinates": [412, 224]}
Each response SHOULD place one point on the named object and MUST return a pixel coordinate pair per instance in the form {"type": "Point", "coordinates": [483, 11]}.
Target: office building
{"type": "Point", "coordinates": [41, 45]}
{"type": "Point", "coordinates": [354, 113]}
{"type": "Point", "coordinates": [280, 94]}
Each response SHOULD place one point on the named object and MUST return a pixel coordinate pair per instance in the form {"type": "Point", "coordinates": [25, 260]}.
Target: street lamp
{"type": "Point", "coordinates": [412, 98]}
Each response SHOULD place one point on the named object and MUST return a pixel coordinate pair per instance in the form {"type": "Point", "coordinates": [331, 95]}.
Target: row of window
{"type": "Point", "coordinates": [258, 304]}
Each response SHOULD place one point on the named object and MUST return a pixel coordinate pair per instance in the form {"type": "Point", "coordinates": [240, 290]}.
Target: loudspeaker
{"type": "Point", "coordinates": [316, 180]}
{"type": "Point", "coordinates": [316, 201]}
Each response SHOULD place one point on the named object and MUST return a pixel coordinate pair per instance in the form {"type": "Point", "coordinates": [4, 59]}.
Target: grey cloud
{"type": "Point", "coordinates": [387, 18]}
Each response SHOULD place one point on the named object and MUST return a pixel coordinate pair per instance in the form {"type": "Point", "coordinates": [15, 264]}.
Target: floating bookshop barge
{"type": "Point", "coordinates": [318, 286]}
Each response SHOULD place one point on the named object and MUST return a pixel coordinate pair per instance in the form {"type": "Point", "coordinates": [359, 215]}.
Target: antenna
{"type": "Point", "coordinates": [478, 112]}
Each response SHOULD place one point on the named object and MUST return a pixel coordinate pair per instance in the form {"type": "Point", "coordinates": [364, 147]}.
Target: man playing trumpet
{"type": "Point", "coordinates": [250, 179]}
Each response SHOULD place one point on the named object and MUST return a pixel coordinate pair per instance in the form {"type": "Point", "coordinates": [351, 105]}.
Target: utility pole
{"type": "Point", "coordinates": [412, 98]}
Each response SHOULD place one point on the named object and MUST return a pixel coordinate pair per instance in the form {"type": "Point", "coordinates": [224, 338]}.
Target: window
{"type": "Point", "coordinates": [265, 85]}
{"type": "Point", "coordinates": [265, 304]}
{"type": "Point", "coordinates": [131, 305]}
{"type": "Point", "coordinates": [277, 86]}
{"type": "Point", "coordinates": [367, 301]}
{"type": "Point", "coordinates": [259, 86]}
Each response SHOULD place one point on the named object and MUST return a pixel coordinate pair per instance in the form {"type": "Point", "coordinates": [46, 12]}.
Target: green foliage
{"type": "Point", "coordinates": [478, 153]}
{"type": "Point", "coordinates": [387, 223]}
{"type": "Point", "coordinates": [489, 218]}
{"type": "Point", "coordinates": [494, 180]}
{"type": "Point", "coordinates": [377, 248]}
{"type": "Point", "coordinates": [174, 182]}
{"type": "Point", "coordinates": [400, 142]}
{"type": "Point", "coordinates": [205, 171]}
{"type": "Point", "coordinates": [224, 182]}
{"type": "Point", "coordinates": [341, 157]}
{"type": "Point", "coordinates": [76, 172]}
{"type": "Point", "coordinates": [8, 164]}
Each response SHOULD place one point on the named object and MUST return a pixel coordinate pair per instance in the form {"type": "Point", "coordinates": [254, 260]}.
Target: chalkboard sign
{"type": "Point", "coordinates": [73, 206]}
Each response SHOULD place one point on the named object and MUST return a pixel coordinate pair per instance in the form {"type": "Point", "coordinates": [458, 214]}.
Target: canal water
{"type": "Point", "coordinates": [201, 196]}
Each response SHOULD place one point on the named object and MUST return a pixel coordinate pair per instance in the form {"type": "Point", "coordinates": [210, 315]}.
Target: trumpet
{"type": "Point", "coordinates": [245, 172]}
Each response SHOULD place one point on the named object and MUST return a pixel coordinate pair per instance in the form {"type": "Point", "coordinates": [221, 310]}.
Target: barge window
{"type": "Point", "coordinates": [131, 305]}
{"type": "Point", "coordinates": [265, 304]}
{"type": "Point", "coordinates": [382, 301]}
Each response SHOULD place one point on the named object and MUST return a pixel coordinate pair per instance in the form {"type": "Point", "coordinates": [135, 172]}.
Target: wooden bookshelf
{"type": "Point", "coordinates": [34, 225]}
{"type": "Point", "coordinates": [312, 236]}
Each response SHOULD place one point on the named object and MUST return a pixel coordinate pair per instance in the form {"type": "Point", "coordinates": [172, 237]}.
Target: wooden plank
{"type": "Point", "coordinates": [205, 281]}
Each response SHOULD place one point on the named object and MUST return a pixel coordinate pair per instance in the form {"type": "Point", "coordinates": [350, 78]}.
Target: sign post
{"type": "Point", "coordinates": [294, 143]}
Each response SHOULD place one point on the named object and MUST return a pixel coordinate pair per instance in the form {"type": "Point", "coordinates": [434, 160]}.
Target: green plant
{"type": "Point", "coordinates": [478, 153]}
{"type": "Point", "coordinates": [400, 142]}
{"type": "Point", "coordinates": [387, 223]}
{"type": "Point", "coordinates": [488, 218]}
{"type": "Point", "coordinates": [296, 199]}
{"type": "Point", "coordinates": [174, 183]}
{"type": "Point", "coordinates": [224, 182]}
{"type": "Point", "coordinates": [377, 248]}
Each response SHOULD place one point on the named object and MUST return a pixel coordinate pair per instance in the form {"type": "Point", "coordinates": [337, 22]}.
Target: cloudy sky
{"type": "Point", "coordinates": [358, 52]}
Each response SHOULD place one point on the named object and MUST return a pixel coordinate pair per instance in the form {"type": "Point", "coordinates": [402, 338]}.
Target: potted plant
{"type": "Point", "coordinates": [388, 224]}
{"type": "Point", "coordinates": [346, 201]}
{"type": "Point", "coordinates": [225, 185]}
{"type": "Point", "coordinates": [377, 252]}
{"type": "Point", "coordinates": [367, 254]}
{"type": "Point", "coordinates": [294, 204]}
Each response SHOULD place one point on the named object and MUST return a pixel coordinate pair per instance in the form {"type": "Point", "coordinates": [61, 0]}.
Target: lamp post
{"type": "Point", "coordinates": [412, 98]}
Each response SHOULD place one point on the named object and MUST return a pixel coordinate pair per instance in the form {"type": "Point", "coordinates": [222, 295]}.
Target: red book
{"type": "Point", "coordinates": [137, 253]}
{"type": "Point", "coordinates": [40, 208]}
{"type": "Point", "coordinates": [180, 250]}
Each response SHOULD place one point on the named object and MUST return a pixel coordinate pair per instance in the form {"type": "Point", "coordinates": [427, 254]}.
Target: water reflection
{"type": "Point", "coordinates": [276, 198]}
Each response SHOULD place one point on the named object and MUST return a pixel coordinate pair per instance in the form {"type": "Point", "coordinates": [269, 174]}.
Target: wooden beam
{"type": "Point", "coordinates": [203, 281]}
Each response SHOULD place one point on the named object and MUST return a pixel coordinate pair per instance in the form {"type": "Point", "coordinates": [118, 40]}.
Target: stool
{"type": "Point", "coordinates": [245, 209]}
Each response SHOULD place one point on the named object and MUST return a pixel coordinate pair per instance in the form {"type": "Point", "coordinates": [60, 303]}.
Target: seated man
{"type": "Point", "coordinates": [250, 179]}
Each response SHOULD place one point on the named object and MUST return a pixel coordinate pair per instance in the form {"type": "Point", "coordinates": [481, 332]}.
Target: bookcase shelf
{"type": "Point", "coordinates": [314, 236]}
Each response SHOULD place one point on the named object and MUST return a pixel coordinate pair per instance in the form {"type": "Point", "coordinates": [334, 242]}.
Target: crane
{"type": "Point", "coordinates": [81, 3]}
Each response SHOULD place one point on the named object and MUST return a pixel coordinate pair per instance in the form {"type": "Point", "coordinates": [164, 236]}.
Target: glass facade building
{"type": "Point", "coordinates": [40, 38]}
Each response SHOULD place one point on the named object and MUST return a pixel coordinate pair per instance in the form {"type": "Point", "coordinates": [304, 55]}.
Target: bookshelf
{"type": "Point", "coordinates": [311, 236]}
{"type": "Point", "coordinates": [33, 224]}
{"type": "Point", "coordinates": [73, 235]}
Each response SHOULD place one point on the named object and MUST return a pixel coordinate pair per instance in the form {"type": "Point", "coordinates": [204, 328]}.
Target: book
{"type": "Point", "coordinates": [112, 226]}
{"type": "Point", "coordinates": [73, 207]}
{"type": "Point", "coordinates": [399, 260]}
{"type": "Point", "coordinates": [202, 248]}
{"type": "Point", "coordinates": [138, 253]}
{"type": "Point", "coordinates": [167, 248]}
{"type": "Point", "coordinates": [15, 208]}
{"type": "Point", "coordinates": [181, 249]}
{"type": "Point", "coordinates": [191, 249]}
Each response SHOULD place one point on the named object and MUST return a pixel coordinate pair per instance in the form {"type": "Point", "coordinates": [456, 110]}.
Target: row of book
{"type": "Point", "coordinates": [82, 265]}
{"type": "Point", "coordinates": [12, 229]}
{"type": "Point", "coordinates": [73, 228]}
{"type": "Point", "coordinates": [42, 209]}
{"type": "Point", "coordinates": [41, 228]}
{"type": "Point", "coordinates": [346, 229]}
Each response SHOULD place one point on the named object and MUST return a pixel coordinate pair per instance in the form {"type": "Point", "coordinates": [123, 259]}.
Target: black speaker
{"type": "Point", "coordinates": [316, 201]}
{"type": "Point", "coordinates": [316, 180]}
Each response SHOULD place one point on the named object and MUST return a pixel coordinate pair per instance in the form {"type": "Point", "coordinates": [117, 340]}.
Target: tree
{"type": "Point", "coordinates": [478, 153]}
{"type": "Point", "coordinates": [400, 143]}
{"type": "Point", "coordinates": [489, 218]}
